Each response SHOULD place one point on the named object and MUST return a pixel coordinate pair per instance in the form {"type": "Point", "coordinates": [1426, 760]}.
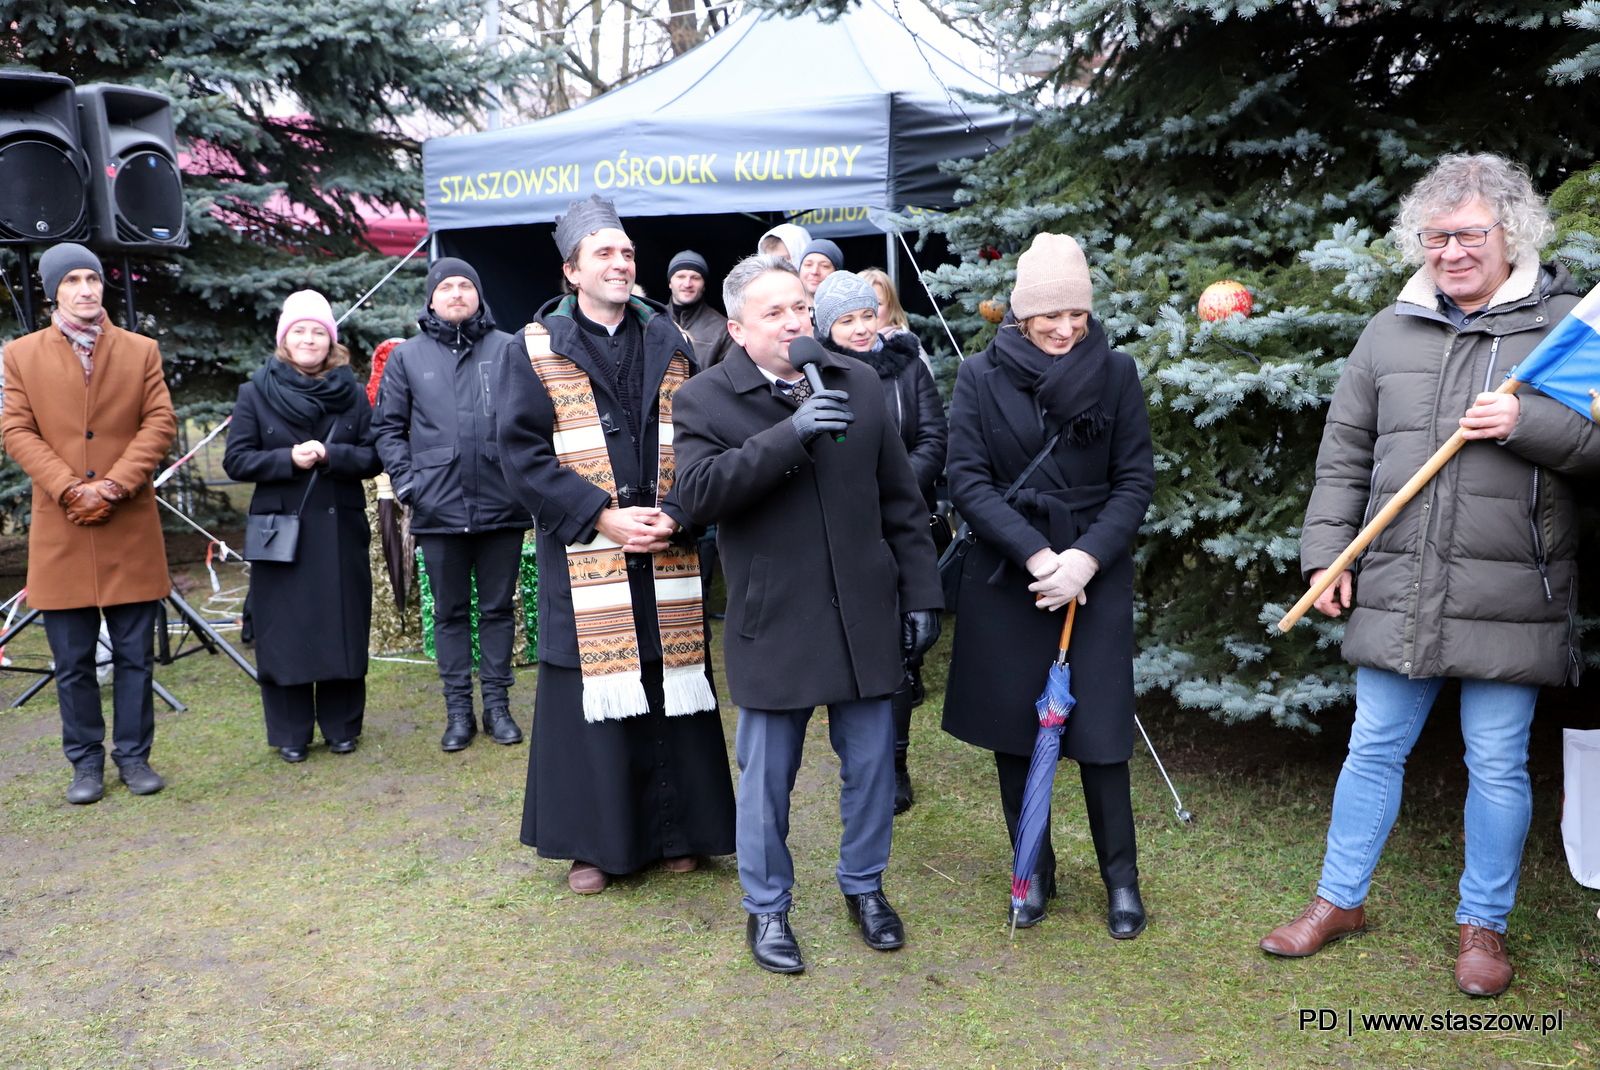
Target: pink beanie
{"type": "Point", "coordinates": [306, 305]}
{"type": "Point", "coordinates": [1052, 276]}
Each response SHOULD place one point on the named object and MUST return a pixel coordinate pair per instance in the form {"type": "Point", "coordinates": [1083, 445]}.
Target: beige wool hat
{"type": "Point", "coordinates": [1052, 276]}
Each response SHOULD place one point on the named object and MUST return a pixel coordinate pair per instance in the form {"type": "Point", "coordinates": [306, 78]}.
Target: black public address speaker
{"type": "Point", "coordinates": [136, 195]}
{"type": "Point", "coordinates": [44, 173]}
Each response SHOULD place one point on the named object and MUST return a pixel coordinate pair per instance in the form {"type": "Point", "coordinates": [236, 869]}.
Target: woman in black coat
{"type": "Point", "coordinates": [846, 315]}
{"type": "Point", "coordinates": [303, 417]}
{"type": "Point", "coordinates": [1065, 535]}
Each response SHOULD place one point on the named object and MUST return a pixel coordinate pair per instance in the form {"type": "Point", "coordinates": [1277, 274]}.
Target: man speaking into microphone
{"type": "Point", "coordinates": [832, 584]}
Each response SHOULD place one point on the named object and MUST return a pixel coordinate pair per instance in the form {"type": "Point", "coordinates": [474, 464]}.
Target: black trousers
{"type": "Point", "coordinates": [1108, 796]}
{"type": "Point", "coordinates": [907, 698]}
{"type": "Point", "coordinates": [293, 710]}
{"type": "Point", "coordinates": [73, 636]}
{"type": "Point", "coordinates": [453, 561]}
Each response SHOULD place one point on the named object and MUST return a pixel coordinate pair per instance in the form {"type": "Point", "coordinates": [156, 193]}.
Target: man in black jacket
{"type": "Point", "coordinates": [435, 425]}
{"type": "Point", "coordinates": [688, 278]}
{"type": "Point", "coordinates": [832, 583]}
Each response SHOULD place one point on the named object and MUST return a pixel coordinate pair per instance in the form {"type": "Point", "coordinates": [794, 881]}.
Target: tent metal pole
{"type": "Point", "coordinates": [892, 257]}
{"type": "Point", "coordinates": [932, 299]}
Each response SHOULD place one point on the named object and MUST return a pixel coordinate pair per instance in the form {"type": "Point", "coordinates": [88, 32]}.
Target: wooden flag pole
{"type": "Point", "coordinates": [1440, 457]}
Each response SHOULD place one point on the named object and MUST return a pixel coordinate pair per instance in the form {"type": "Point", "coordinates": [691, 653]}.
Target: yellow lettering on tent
{"type": "Point", "coordinates": [509, 176]}
{"type": "Point", "coordinates": [636, 171]}
{"type": "Point", "coordinates": [693, 168]}
{"type": "Point", "coordinates": [570, 175]}
{"type": "Point", "coordinates": [763, 175]}
{"type": "Point", "coordinates": [741, 169]}
{"type": "Point", "coordinates": [494, 192]}
{"type": "Point", "coordinates": [444, 190]}
{"type": "Point", "coordinates": [791, 154]}
{"type": "Point", "coordinates": [611, 174]}
{"type": "Point", "coordinates": [675, 170]}
{"type": "Point", "coordinates": [471, 192]}
{"type": "Point", "coordinates": [706, 174]}
{"type": "Point", "coordinates": [849, 159]}
{"type": "Point", "coordinates": [830, 161]}
{"type": "Point", "coordinates": [816, 155]}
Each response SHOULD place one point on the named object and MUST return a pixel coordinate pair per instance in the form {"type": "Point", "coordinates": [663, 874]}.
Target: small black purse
{"type": "Point", "coordinates": [955, 555]}
{"type": "Point", "coordinates": [275, 536]}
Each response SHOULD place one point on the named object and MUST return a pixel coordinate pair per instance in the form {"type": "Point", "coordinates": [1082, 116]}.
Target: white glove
{"type": "Point", "coordinates": [1074, 569]}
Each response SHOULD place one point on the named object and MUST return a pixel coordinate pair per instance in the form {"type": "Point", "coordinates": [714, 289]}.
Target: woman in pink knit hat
{"type": "Point", "coordinates": [1051, 387]}
{"type": "Point", "coordinates": [302, 433]}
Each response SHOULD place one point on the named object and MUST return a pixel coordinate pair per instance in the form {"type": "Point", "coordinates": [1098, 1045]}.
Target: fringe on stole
{"type": "Point", "coordinates": [614, 696]}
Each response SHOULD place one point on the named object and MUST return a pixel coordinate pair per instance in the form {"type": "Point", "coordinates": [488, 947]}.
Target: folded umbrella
{"type": "Point", "coordinates": [1054, 706]}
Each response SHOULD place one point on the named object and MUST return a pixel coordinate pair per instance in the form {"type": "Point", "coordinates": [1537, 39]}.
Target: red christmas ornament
{"type": "Point", "coordinates": [988, 252]}
{"type": "Point", "coordinates": [1222, 299]}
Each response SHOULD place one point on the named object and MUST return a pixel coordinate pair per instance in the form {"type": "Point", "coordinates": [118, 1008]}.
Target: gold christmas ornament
{"type": "Point", "coordinates": [1222, 299]}
{"type": "Point", "coordinates": [992, 310]}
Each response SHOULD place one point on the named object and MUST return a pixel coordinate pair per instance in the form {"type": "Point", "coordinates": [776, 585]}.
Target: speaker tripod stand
{"type": "Point", "coordinates": [206, 640]}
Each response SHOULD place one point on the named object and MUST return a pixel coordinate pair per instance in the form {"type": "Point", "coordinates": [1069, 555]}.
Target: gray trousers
{"type": "Point", "coordinates": [768, 746]}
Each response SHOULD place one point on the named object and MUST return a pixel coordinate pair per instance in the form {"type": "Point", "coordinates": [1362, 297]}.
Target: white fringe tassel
{"type": "Point", "coordinates": [688, 691]}
{"type": "Point", "coordinates": [613, 697]}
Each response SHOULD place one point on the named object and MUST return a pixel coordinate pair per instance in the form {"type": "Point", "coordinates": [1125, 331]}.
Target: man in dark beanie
{"type": "Point", "coordinates": [627, 764]}
{"type": "Point", "coordinates": [435, 424]}
{"type": "Point", "coordinates": [707, 328]}
{"type": "Point", "coordinates": [88, 417]}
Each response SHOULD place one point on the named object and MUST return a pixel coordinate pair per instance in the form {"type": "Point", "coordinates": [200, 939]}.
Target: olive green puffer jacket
{"type": "Point", "coordinates": [1477, 577]}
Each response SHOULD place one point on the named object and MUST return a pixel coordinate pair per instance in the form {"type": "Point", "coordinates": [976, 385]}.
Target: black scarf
{"type": "Point", "coordinates": [1068, 388]}
{"type": "Point", "coordinates": [304, 399]}
{"type": "Point", "coordinates": [625, 374]}
{"type": "Point", "coordinates": [888, 357]}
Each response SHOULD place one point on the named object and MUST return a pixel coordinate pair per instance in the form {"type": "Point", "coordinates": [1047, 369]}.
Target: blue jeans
{"type": "Point", "coordinates": [1390, 711]}
{"type": "Point", "coordinates": [768, 747]}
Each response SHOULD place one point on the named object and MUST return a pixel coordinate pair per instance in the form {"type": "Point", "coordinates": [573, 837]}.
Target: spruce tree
{"type": "Point", "coordinates": [1267, 142]}
{"type": "Point", "coordinates": [294, 114]}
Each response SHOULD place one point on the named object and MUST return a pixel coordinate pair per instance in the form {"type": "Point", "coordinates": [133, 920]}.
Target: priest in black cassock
{"type": "Point", "coordinates": [628, 763]}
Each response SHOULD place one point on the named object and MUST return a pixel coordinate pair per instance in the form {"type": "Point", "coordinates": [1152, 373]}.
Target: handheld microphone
{"type": "Point", "coordinates": [804, 353]}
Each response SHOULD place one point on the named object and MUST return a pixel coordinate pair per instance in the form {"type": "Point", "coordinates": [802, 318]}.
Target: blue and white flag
{"type": "Point", "coordinates": [1566, 365]}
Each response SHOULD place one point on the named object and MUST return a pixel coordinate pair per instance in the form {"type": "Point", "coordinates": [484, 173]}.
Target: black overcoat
{"type": "Point", "coordinates": [565, 506]}
{"type": "Point", "coordinates": [822, 547]}
{"type": "Point", "coordinates": [311, 616]}
{"type": "Point", "coordinates": [1003, 645]}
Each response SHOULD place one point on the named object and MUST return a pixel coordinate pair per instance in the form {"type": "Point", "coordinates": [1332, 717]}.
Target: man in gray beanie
{"type": "Point", "coordinates": [706, 327]}
{"type": "Point", "coordinates": [88, 417]}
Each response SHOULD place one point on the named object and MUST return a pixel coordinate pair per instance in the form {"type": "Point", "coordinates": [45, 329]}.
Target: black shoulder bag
{"type": "Point", "coordinates": [275, 536]}
{"type": "Point", "coordinates": [955, 555]}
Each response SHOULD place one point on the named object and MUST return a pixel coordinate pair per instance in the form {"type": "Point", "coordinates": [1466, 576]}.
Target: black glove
{"type": "Point", "coordinates": [919, 630]}
{"type": "Point", "coordinates": [822, 413]}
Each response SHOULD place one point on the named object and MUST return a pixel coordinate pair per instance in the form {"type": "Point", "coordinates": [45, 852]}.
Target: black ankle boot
{"type": "Point", "coordinates": [459, 730]}
{"type": "Point", "coordinates": [500, 726]}
{"type": "Point", "coordinates": [1041, 890]}
{"type": "Point", "coordinates": [903, 795]}
{"type": "Point", "coordinates": [1124, 912]}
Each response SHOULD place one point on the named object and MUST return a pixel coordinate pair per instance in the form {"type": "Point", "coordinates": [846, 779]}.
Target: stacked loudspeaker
{"type": "Point", "coordinates": [95, 164]}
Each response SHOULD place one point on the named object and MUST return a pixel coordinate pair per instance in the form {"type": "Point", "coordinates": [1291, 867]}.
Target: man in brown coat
{"type": "Point", "coordinates": [88, 417]}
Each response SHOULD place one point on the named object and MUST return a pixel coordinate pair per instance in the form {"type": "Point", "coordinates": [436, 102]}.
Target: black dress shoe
{"type": "Point", "coordinates": [880, 925]}
{"type": "Point", "coordinates": [294, 754]}
{"type": "Point", "coordinates": [772, 943]}
{"type": "Point", "coordinates": [140, 778]}
{"type": "Point", "coordinates": [500, 726]}
{"type": "Point", "coordinates": [458, 731]}
{"type": "Point", "coordinates": [88, 781]}
{"type": "Point", "coordinates": [343, 746]}
{"type": "Point", "coordinates": [1124, 912]}
{"type": "Point", "coordinates": [1041, 890]}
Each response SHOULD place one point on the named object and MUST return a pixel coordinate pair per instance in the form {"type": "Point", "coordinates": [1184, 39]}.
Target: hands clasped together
{"type": "Point", "coordinates": [89, 505]}
{"type": "Point", "coordinates": [1059, 578]}
{"type": "Point", "coordinates": [637, 529]}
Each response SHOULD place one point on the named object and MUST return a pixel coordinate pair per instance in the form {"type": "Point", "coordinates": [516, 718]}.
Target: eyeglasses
{"type": "Point", "coordinates": [1470, 238]}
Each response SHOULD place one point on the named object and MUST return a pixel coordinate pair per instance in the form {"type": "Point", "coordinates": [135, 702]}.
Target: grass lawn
{"type": "Point", "coordinates": [377, 911]}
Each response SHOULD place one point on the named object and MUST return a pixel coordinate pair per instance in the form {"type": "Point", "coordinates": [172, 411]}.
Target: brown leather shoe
{"type": "Point", "coordinates": [1318, 925]}
{"type": "Point", "coordinates": [586, 879]}
{"type": "Point", "coordinates": [1482, 968]}
{"type": "Point", "coordinates": [680, 864]}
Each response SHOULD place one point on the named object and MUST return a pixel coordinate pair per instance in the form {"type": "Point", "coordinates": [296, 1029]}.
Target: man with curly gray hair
{"type": "Point", "coordinates": [1476, 579]}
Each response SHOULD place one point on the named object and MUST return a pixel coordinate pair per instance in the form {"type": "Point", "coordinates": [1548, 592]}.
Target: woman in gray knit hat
{"type": "Point", "coordinates": [1050, 385]}
{"type": "Point", "coordinates": [846, 317]}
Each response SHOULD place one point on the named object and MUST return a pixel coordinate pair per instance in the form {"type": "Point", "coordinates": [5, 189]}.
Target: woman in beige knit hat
{"type": "Point", "coordinates": [1050, 386]}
